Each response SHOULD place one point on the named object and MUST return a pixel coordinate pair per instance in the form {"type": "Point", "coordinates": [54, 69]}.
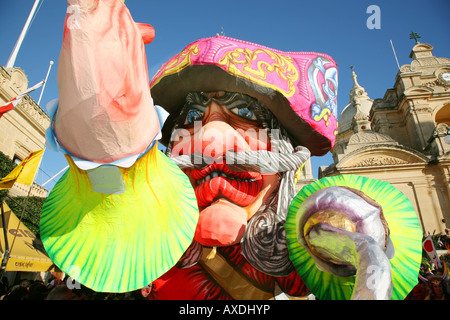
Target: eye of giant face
{"type": "Point", "coordinates": [192, 116]}
{"type": "Point", "coordinates": [244, 112]}
{"type": "Point", "coordinates": [239, 105]}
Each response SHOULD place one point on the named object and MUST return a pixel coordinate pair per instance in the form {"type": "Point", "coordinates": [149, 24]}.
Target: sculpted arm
{"type": "Point", "coordinates": [356, 238]}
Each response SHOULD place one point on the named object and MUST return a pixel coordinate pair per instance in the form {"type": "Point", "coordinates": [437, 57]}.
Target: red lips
{"type": "Point", "coordinates": [218, 181]}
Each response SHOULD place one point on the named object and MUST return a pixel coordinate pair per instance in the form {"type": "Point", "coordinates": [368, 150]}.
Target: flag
{"type": "Point", "coordinates": [24, 173]}
{"type": "Point", "coordinates": [14, 102]}
{"type": "Point", "coordinates": [27, 253]}
{"type": "Point", "coordinates": [428, 246]}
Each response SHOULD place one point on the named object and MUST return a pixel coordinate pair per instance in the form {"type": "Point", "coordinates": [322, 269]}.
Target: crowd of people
{"type": "Point", "coordinates": [433, 285]}
{"type": "Point", "coordinates": [59, 290]}
{"type": "Point", "coordinates": [434, 289]}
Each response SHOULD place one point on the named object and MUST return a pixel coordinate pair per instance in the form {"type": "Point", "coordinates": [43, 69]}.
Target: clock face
{"type": "Point", "coordinates": [445, 76]}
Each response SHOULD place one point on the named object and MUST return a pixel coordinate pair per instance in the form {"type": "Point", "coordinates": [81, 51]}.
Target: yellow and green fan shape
{"type": "Point", "coordinates": [120, 242]}
{"type": "Point", "coordinates": [405, 234]}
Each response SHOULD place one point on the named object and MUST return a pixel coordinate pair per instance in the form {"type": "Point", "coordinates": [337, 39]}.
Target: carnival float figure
{"type": "Point", "coordinates": [218, 216]}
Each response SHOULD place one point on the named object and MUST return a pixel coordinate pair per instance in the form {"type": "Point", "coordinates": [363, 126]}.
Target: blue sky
{"type": "Point", "coordinates": [337, 28]}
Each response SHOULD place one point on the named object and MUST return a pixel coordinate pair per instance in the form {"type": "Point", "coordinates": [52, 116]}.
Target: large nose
{"type": "Point", "coordinates": [217, 136]}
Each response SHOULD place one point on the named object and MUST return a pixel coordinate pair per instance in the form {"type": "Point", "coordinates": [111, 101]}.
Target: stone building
{"type": "Point", "coordinates": [404, 137]}
{"type": "Point", "coordinates": [22, 130]}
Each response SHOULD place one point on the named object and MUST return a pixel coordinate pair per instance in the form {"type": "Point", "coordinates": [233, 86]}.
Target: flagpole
{"type": "Point", "coordinates": [45, 82]}
{"type": "Point", "coordinates": [54, 176]}
{"type": "Point", "coordinates": [395, 55]}
{"type": "Point", "coordinates": [12, 58]}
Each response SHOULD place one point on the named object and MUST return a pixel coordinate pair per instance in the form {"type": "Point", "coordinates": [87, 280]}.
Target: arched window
{"type": "Point", "coordinates": [443, 115]}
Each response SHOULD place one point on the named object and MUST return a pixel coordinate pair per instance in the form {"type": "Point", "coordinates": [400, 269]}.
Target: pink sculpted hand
{"type": "Point", "coordinates": [105, 108]}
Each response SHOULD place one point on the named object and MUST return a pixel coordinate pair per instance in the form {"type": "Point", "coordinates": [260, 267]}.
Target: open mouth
{"type": "Point", "coordinates": [217, 181]}
{"type": "Point", "coordinates": [216, 174]}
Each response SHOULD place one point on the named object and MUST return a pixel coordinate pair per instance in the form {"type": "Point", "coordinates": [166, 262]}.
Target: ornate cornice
{"type": "Point", "coordinates": [374, 162]}
{"type": "Point", "coordinates": [420, 109]}
{"type": "Point", "coordinates": [30, 110]}
{"type": "Point", "coordinates": [382, 155]}
{"type": "Point", "coordinates": [13, 82]}
{"type": "Point", "coordinates": [439, 83]}
{"type": "Point", "coordinates": [370, 137]}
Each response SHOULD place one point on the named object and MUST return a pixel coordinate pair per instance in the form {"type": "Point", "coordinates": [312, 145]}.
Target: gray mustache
{"type": "Point", "coordinates": [262, 161]}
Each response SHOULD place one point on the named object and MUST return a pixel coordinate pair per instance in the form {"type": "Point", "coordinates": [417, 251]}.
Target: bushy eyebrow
{"type": "Point", "coordinates": [201, 101]}
{"type": "Point", "coordinates": [237, 103]}
{"type": "Point", "coordinates": [204, 99]}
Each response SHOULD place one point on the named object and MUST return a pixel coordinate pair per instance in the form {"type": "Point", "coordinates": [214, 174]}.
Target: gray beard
{"type": "Point", "coordinates": [264, 243]}
{"type": "Point", "coordinates": [262, 161]}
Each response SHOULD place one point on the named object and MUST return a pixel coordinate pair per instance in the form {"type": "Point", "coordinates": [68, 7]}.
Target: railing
{"type": "Point", "coordinates": [22, 190]}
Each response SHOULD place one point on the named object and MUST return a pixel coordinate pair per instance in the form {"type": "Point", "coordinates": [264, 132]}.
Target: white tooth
{"type": "Point", "coordinates": [223, 174]}
{"type": "Point", "coordinates": [207, 178]}
{"type": "Point", "coordinates": [214, 175]}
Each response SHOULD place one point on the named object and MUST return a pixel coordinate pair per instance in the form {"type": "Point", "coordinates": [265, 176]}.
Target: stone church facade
{"type": "Point", "coordinates": [404, 137]}
{"type": "Point", "coordinates": [22, 130]}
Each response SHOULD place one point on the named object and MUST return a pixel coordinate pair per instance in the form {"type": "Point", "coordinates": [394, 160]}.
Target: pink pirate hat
{"type": "Point", "coordinates": [300, 88]}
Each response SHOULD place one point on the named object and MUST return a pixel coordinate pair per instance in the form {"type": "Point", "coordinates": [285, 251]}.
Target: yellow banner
{"type": "Point", "coordinates": [24, 173]}
{"type": "Point", "coordinates": [26, 252]}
